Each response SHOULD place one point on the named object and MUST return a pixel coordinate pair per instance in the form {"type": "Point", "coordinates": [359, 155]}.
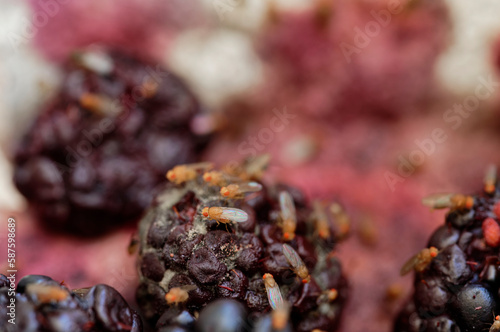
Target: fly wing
{"type": "Point", "coordinates": [250, 187]}
{"type": "Point", "coordinates": [233, 214]}
{"type": "Point", "coordinates": [203, 165]}
{"type": "Point", "coordinates": [292, 257]}
{"type": "Point", "coordinates": [287, 206]}
{"type": "Point", "coordinates": [437, 201]}
{"type": "Point", "coordinates": [490, 178]}
{"type": "Point", "coordinates": [319, 211]}
{"type": "Point", "coordinates": [274, 297]}
{"type": "Point", "coordinates": [257, 164]}
{"type": "Point", "coordinates": [188, 288]}
{"type": "Point", "coordinates": [409, 265]}
{"type": "Point", "coordinates": [81, 292]}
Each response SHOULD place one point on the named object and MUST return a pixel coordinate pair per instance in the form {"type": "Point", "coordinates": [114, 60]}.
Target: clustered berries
{"type": "Point", "coordinates": [457, 280]}
{"type": "Point", "coordinates": [95, 155]}
{"type": "Point", "coordinates": [258, 247]}
{"type": "Point", "coordinates": [43, 304]}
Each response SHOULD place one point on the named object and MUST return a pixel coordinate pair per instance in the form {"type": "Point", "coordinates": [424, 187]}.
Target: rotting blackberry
{"type": "Point", "coordinates": [337, 76]}
{"type": "Point", "coordinates": [200, 246]}
{"type": "Point", "coordinates": [43, 304]}
{"type": "Point", "coordinates": [95, 156]}
{"type": "Point", "coordinates": [457, 288]}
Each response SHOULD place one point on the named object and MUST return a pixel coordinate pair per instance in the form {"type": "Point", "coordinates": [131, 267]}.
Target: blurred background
{"type": "Point", "coordinates": [382, 101]}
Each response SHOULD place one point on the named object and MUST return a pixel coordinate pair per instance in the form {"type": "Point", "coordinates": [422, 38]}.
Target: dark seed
{"type": "Point", "coordinates": [152, 267]}
{"type": "Point", "coordinates": [250, 252]}
{"type": "Point", "coordinates": [431, 297]}
{"type": "Point", "coordinates": [443, 237]}
{"type": "Point", "coordinates": [234, 287]}
{"type": "Point", "coordinates": [451, 263]}
{"type": "Point", "coordinates": [205, 267]}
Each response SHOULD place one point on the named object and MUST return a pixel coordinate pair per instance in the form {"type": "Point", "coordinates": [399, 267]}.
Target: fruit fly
{"type": "Point", "coordinates": [133, 245]}
{"type": "Point", "coordinates": [321, 220]}
{"type": "Point", "coordinates": [490, 179]}
{"type": "Point", "coordinates": [239, 190]}
{"type": "Point", "coordinates": [329, 295]}
{"type": "Point", "coordinates": [420, 261]}
{"type": "Point", "coordinates": [99, 104]}
{"type": "Point", "coordinates": [224, 215]}
{"type": "Point", "coordinates": [187, 172]}
{"type": "Point", "coordinates": [255, 167]}
{"type": "Point", "coordinates": [149, 87]}
{"type": "Point", "coordinates": [452, 201]}
{"type": "Point", "coordinates": [288, 216]}
{"type": "Point", "coordinates": [273, 291]}
{"type": "Point", "coordinates": [341, 220]}
{"type": "Point", "coordinates": [393, 292]}
{"type": "Point", "coordinates": [296, 263]}
{"type": "Point", "coordinates": [178, 295]}
{"type": "Point", "coordinates": [95, 61]}
{"type": "Point", "coordinates": [47, 293]}
{"type": "Point", "coordinates": [495, 327]}
{"type": "Point", "coordinates": [367, 231]}
{"type": "Point", "coordinates": [220, 179]}
{"type": "Point", "coordinates": [250, 169]}
{"type": "Point", "coordinates": [280, 317]}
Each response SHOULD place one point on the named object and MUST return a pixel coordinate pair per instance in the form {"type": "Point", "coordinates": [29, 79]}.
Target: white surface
{"type": "Point", "coordinates": [249, 15]}
{"type": "Point", "coordinates": [217, 64]}
{"type": "Point", "coordinates": [26, 81]}
{"type": "Point", "coordinates": [476, 25]}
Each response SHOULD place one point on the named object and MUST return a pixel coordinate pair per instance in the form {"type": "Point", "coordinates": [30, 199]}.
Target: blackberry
{"type": "Point", "coordinates": [198, 248]}
{"type": "Point", "coordinates": [95, 156]}
{"type": "Point", "coordinates": [458, 287]}
{"type": "Point", "coordinates": [43, 304]}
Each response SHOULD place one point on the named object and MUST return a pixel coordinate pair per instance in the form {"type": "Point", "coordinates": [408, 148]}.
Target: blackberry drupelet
{"type": "Point", "coordinates": [95, 156]}
{"type": "Point", "coordinates": [43, 304]}
{"type": "Point", "coordinates": [202, 247]}
{"type": "Point", "coordinates": [458, 289]}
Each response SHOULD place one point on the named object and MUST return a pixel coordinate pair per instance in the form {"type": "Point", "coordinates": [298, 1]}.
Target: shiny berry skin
{"type": "Point", "coordinates": [43, 304]}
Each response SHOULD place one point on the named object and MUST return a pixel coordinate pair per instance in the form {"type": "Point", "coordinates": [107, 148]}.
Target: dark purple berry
{"type": "Point", "coordinates": [459, 289]}
{"type": "Point", "coordinates": [95, 156]}
{"type": "Point", "coordinates": [473, 306]}
{"type": "Point", "coordinates": [205, 261]}
{"type": "Point", "coordinates": [43, 304]}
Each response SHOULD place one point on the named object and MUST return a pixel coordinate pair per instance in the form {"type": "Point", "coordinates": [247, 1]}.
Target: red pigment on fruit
{"type": "Point", "coordinates": [496, 209]}
{"type": "Point", "coordinates": [491, 231]}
